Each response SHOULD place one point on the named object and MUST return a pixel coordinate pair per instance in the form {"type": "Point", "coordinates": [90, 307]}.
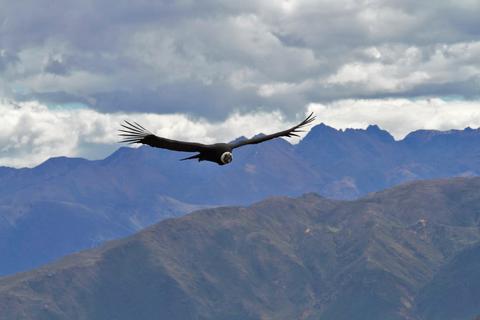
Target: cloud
{"type": "Point", "coordinates": [209, 62]}
{"type": "Point", "coordinates": [32, 132]}
{"type": "Point", "coordinates": [213, 58]}
{"type": "Point", "coordinates": [7, 59]}
{"type": "Point", "coordinates": [399, 116]}
{"type": "Point", "coordinates": [56, 65]}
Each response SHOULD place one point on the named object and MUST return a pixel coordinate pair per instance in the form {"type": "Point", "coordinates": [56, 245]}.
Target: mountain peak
{"type": "Point", "coordinates": [241, 138]}
{"type": "Point", "coordinates": [426, 135]}
{"type": "Point", "coordinates": [373, 127]}
{"type": "Point", "coordinates": [375, 130]}
{"type": "Point", "coordinates": [320, 130]}
{"type": "Point", "coordinates": [325, 131]}
{"type": "Point", "coordinates": [61, 162]}
{"type": "Point", "coordinates": [322, 127]}
{"type": "Point", "coordinates": [259, 135]}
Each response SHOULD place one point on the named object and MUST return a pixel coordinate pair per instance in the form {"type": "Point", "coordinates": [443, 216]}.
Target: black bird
{"type": "Point", "coordinates": [220, 153]}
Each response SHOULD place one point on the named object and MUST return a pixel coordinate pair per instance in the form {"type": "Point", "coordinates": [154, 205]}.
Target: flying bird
{"type": "Point", "coordinates": [220, 153]}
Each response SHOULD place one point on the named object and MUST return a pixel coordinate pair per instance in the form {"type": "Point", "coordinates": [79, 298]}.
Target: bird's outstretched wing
{"type": "Point", "coordinates": [135, 133]}
{"type": "Point", "coordinates": [285, 133]}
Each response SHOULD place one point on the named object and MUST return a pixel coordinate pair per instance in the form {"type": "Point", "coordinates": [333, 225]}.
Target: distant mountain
{"type": "Point", "coordinates": [362, 161]}
{"type": "Point", "coordinates": [65, 205]}
{"type": "Point", "coordinates": [411, 252]}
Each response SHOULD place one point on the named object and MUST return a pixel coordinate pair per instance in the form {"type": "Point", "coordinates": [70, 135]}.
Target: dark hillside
{"type": "Point", "coordinates": [396, 254]}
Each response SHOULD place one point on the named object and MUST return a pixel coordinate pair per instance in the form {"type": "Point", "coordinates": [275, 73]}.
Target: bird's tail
{"type": "Point", "coordinates": [197, 156]}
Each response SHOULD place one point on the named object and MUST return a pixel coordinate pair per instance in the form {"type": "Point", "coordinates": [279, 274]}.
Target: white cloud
{"type": "Point", "coordinates": [377, 77]}
{"type": "Point", "coordinates": [31, 132]}
{"type": "Point", "coordinates": [216, 60]}
{"type": "Point", "coordinates": [397, 68]}
{"type": "Point", "coordinates": [399, 116]}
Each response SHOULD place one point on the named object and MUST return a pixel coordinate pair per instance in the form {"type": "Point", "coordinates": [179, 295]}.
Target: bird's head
{"type": "Point", "coordinates": [226, 157]}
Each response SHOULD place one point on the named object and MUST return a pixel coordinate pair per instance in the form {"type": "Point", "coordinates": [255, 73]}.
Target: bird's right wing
{"type": "Point", "coordinates": [135, 133]}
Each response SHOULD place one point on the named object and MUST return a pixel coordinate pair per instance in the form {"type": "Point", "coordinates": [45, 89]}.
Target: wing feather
{"type": "Point", "coordinates": [292, 132]}
{"type": "Point", "coordinates": [135, 133]}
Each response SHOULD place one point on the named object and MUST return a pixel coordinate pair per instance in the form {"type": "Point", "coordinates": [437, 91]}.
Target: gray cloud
{"type": "Point", "coordinates": [56, 66]}
{"type": "Point", "coordinates": [212, 58]}
{"type": "Point", "coordinates": [7, 59]}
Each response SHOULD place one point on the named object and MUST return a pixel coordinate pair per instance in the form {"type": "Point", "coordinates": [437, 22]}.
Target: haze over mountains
{"type": "Point", "coordinates": [411, 252]}
{"type": "Point", "coordinates": [65, 205]}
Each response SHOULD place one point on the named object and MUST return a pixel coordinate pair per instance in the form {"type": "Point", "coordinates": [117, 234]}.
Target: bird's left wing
{"type": "Point", "coordinates": [285, 133]}
{"type": "Point", "coordinates": [135, 133]}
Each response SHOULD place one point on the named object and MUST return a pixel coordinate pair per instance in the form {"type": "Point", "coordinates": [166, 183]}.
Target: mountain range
{"type": "Point", "coordinates": [68, 204]}
{"type": "Point", "coordinates": [411, 252]}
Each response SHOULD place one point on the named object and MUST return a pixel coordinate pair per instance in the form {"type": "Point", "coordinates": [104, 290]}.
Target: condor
{"type": "Point", "coordinates": [220, 153]}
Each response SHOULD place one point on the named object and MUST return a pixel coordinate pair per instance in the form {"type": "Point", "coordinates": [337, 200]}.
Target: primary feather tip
{"type": "Point", "coordinates": [132, 132]}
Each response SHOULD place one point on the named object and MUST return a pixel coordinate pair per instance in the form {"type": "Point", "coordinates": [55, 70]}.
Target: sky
{"type": "Point", "coordinates": [208, 71]}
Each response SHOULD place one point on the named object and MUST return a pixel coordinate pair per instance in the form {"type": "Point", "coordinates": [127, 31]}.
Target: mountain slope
{"type": "Point", "coordinates": [65, 205]}
{"type": "Point", "coordinates": [362, 161]}
{"type": "Point", "coordinates": [307, 258]}
{"type": "Point", "coordinates": [460, 278]}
